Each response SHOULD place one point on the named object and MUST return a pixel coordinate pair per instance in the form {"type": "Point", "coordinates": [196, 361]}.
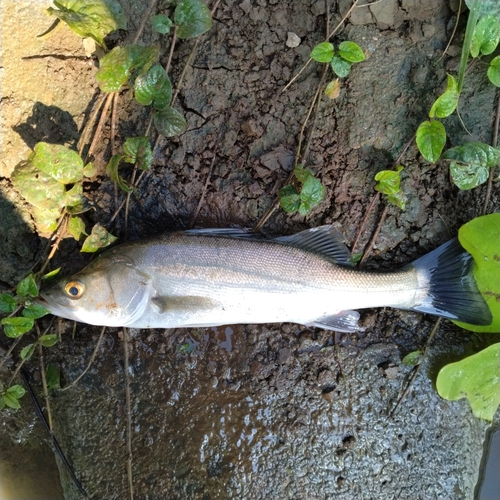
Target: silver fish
{"type": "Point", "coordinates": [219, 277]}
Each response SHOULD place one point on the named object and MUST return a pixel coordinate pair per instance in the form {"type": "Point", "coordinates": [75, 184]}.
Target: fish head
{"type": "Point", "coordinates": [108, 292]}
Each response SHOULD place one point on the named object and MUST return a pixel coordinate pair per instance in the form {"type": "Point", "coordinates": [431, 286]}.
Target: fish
{"type": "Point", "coordinates": [202, 278]}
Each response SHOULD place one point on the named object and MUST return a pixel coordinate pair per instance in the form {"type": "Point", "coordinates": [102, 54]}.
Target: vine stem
{"type": "Point", "coordinates": [494, 143]}
{"type": "Point", "coordinates": [9, 352]}
{"type": "Point", "coordinates": [44, 385]}
{"type": "Point", "coordinates": [89, 364]}
{"type": "Point", "coordinates": [90, 124]}
{"type": "Point", "coordinates": [129, 412]}
{"type": "Point", "coordinates": [417, 368]}
{"type": "Point", "coordinates": [348, 13]}
{"type": "Point", "coordinates": [171, 53]}
{"type": "Point", "coordinates": [100, 125]}
{"type": "Point", "coordinates": [144, 20]}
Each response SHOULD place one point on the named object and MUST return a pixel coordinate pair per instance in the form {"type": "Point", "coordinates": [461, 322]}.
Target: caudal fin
{"type": "Point", "coordinates": [453, 292]}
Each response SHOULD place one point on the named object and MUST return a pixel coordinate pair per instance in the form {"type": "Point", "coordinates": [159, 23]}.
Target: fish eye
{"type": "Point", "coordinates": [74, 289]}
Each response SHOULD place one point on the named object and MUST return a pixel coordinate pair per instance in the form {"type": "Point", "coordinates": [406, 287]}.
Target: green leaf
{"type": "Point", "coordinates": [355, 258]}
{"type": "Point", "coordinates": [301, 173]}
{"type": "Point", "coordinates": [138, 150]}
{"type": "Point", "coordinates": [89, 170]}
{"type": "Point", "coordinates": [185, 348]}
{"type": "Point", "coordinates": [494, 71]}
{"type": "Point", "coordinates": [16, 390]}
{"type": "Point", "coordinates": [27, 287]}
{"type": "Point", "coordinates": [193, 18]}
{"type": "Point", "coordinates": [53, 377]}
{"type": "Point", "coordinates": [11, 397]}
{"type": "Point", "coordinates": [340, 66]}
{"type": "Point", "coordinates": [48, 340]}
{"type": "Point", "coordinates": [99, 238]}
{"type": "Point", "coordinates": [91, 18]}
{"type": "Point", "coordinates": [50, 275]}
{"type": "Point", "coordinates": [16, 326]}
{"type": "Point", "coordinates": [431, 138]}
{"type": "Point", "coordinates": [154, 87]}
{"type": "Point", "coordinates": [413, 358]}
{"type": "Point", "coordinates": [8, 303]}
{"type": "Point", "coordinates": [351, 52]}
{"type": "Point", "coordinates": [112, 171]}
{"type": "Point", "coordinates": [76, 227]}
{"type": "Point", "coordinates": [74, 195]}
{"type": "Point", "coordinates": [468, 176]}
{"type": "Point", "coordinates": [161, 23]}
{"type": "Point", "coordinates": [289, 199]}
{"type": "Point", "coordinates": [477, 378]}
{"type": "Point", "coordinates": [323, 52]}
{"type": "Point", "coordinates": [169, 122]}
{"type": "Point", "coordinates": [10, 401]}
{"type": "Point", "coordinates": [123, 64]}
{"type": "Point", "coordinates": [388, 181]}
{"type": "Point", "coordinates": [481, 238]}
{"type": "Point", "coordinates": [27, 352]}
{"type": "Point", "coordinates": [474, 153]}
{"type": "Point", "coordinates": [486, 35]}
{"type": "Point", "coordinates": [447, 102]}
{"type": "Point", "coordinates": [39, 189]}
{"type": "Point", "coordinates": [34, 311]}
{"type": "Point", "coordinates": [484, 7]}
{"type": "Point", "coordinates": [398, 199]}
{"type": "Point", "coordinates": [61, 163]}
{"type": "Point", "coordinates": [312, 193]}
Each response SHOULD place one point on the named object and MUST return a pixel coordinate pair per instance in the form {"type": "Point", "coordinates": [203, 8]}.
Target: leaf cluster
{"type": "Point", "coordinates": [304, 199]}
{"type": "Point", "coordinates": [388, 183]}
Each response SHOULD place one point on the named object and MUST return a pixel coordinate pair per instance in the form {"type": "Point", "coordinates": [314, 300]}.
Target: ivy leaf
{"type": "Point", "coordinates": [289, 199]}
{"type": "Point", "coordinates": [99, 238]}
{"type": "Point", "coordinates": [467, 177]}
{"type": "Point", "coordinates": [340, 66]}
{"type": "Point", "coordinates": [413, 358]}
{"type": "Point", "coordinates": [477, 378]}
{"type": "Point", "coordinates": [8, 303]}
{"type": "Point", "coordinates": [351, 52]}
{"type": "Point", "coordinates": [138, 150]}
{"type": "Point", "coordinates": [154, 87]}
{"type": "Point", "coordinates": [169, 122]}
{"type": "Point", "coordinates": [388, 181]}
{"type": "Point", "coordinates": [27, 352]}
{"type": "Point", "coordinates": [193, 18]}
{"type": "Point", "coordinates": [494, 71]}
{"type": "Point", "coordinates": [91, 18]}
{"type": "Point", "coordinates": [76, 227]}
{"type": "Point", "coordinates": [311, 194]}
{"type": "Point", "coordinates": [332, 90]}
{"type": "Point", "coordinates": [53, 377]}
{"type": "Point", "coordinates": [161, 23]}
{"type": "Point", "coordinates": [89, 170]}
{"type": "Point", "coordinates": [34, 311]}
{"type": "Point", "coordinates": [481, 238]}
{"type": "Point", "coordinates": [12, 395]}
{"type": "Point", "coordinates": [486, 35]}
{"type": "Point", "coordinates": [27, 287]}
{"type": "Point", "coordinates": [74, 196]}
{"type": "Point", "coordinates": [16, 326]}
{"type": "Point", "coordinates": [48, 340]}
{"type": "Point", "coordinates": [112, 171]}
{"type": "Point", "coordinates": [323, 52]}
{"type": "Point", "coordinates": [123, 64]}
{"type": "Point", "coordinates": [447, 102]}
{"type": "Point", "coordinates": [61, 163]}
{"type": "Point", "coordinates": [431, 138]}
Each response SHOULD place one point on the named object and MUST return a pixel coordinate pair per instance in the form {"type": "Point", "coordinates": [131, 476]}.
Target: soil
{"type": "Point", "coordinates": [254, 411]}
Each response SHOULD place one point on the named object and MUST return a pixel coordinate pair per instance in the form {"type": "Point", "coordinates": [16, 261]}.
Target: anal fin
{"type": "Point", "coordinates": [344, 321]}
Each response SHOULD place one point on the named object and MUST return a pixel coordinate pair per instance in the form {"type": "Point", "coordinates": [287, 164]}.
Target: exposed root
{"type": "Point", "coordinates": [100, 125]}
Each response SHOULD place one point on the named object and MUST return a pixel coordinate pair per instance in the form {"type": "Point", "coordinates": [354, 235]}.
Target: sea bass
{"type": "Point", "coordinates": [220, 277]}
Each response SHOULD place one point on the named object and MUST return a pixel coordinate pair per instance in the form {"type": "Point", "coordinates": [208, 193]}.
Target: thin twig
{"type": "Point", "coordinates": [113, 140]}
{"type": "Point", "coordinates": [55, 444]}
{"type": "Point", "coordinates": [44, 385]}
{"type": "Point", "coordinates": [327, 39]}
{"type": "Point", "coordinates": [102, 121]}
{"type": "Point", "coordinates": [90, 124]}
{"type": "Point", "coordinates": [129, 412]}
{"type": "Point", "coordinates": [9, 352]}
{"type": "Point", "coordinates": [207, 180]}
{"type": "Point", "coordinates": [374, 237]}
{"type": "Point", "coordinates": [144, 20]}
{"type": "Point", "coordinates": [89, 364]}
{"type": "Point", "coordinates": [417, 368]}
{"type": "Point", "coordinates": [60, 234]}
{"type": "Point", "coordinates": [171, 53]}
{"type": "Point", "coordinates": [494, 142]}
{"type": "Point", "coordinates": [454, 30]}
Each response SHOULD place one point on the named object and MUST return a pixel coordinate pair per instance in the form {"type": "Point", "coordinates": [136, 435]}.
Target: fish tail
{"type": "Point", "coordinates": [452, 289]}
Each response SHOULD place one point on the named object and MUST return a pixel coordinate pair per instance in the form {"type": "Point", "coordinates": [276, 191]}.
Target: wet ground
{"type": "Point", "coordinates": [253, 411]}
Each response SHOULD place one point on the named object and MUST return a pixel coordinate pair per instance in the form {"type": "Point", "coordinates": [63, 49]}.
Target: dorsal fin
{"type": "Point", "coordinates": [323, 240]}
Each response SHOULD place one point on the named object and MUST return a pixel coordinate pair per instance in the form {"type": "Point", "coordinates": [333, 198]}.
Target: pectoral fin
{"type": "Point", "coordinates": [344, 321]}
{"type": "Point", "coordinates": [182, 304]}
